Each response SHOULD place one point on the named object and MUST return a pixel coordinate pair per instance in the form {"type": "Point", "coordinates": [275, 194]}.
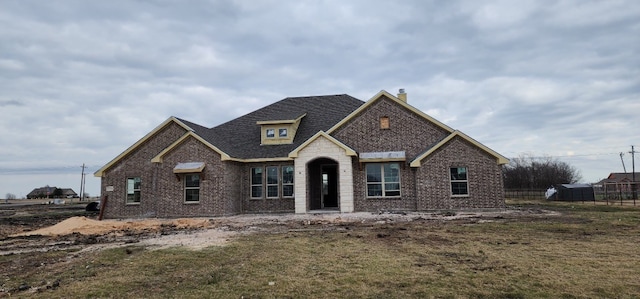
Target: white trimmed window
{"type": "Point", "coordinates": [287, 181]}
{"type": "Point", "coordinates": [256, 182]}
{"type": "Point", "coordinates": [272, 181]}
{"type": "Point", "coordinates": [383, 179]}
{"type": "Point", "coordinates": [133, 190]}
{"type": "Point", "coordinates": [192, 188]}
{"type": "Point", "coordinates": [459, 181]}
{"type": "Point", "coordinates": [282, 132]}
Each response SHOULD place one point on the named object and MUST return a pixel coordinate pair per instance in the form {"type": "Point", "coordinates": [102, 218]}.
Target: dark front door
{"type": "Point", "coordinates": [322, 183]}
{"type": "Point", "coordinates": [329, 186]}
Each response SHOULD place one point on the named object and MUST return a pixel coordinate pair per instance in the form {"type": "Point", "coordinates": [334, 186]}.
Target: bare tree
{"type": "Point", "coordinates": [9, 196]}
{"type": "Point", "coordinates": [538, 173]}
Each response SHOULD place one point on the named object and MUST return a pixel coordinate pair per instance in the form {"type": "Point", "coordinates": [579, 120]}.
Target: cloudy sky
{"type": "Point", "coordinates": [80, 81]}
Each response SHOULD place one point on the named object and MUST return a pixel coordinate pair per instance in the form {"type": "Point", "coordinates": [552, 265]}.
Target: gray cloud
{"type": "Point", "coordinates": [82, 81]}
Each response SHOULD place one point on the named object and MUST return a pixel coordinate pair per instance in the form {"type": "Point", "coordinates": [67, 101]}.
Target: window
{"type": "Point", "coordinates": [256, 182]}
{"type": "Point", "coordinates": [271, 133]}
{"type": "Point", "coordinates": [272, 181]}
{"type": "Point", "coordinates": [282, 132]}
{"type": "Point", "coordinates": [192, 188]}
{"type": "Point", "coordinates": [287, 181]}
{"type": "Point", "coordinates": [133, 190]}
{"type": "Point", "coordinates": [459, 182]}
{"type": "Point", "coordinates": [383, 179]}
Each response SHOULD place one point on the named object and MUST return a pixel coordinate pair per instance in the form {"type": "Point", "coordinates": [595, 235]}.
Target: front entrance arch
{"type": "Point", "coordinates": [320, 157]}
{"type": "Point", "coordinates": [322, 183]}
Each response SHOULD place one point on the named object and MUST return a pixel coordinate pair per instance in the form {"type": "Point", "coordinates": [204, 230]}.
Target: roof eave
{"type": "Point", "coordinates": [100, 172]}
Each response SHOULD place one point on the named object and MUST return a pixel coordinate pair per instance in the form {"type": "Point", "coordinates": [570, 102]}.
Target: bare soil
{"type": "Point", "coordinates": [31, 235]}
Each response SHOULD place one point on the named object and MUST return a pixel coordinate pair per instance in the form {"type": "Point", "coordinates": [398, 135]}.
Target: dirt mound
{"type": "Point", "coordinates": [86, 226]}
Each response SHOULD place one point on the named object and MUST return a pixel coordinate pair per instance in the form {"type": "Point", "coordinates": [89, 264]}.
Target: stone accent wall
{"type": "Point", "coordinates": [324, 148]}
{"type": "Point", "coordinates": [484, 177]}
{"type": "Point", "coordinates": [137, 164]}
{"type": "Point", "coordinates": [264, 205]}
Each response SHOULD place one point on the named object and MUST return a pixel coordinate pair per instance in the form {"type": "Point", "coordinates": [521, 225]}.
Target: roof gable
{"type": "Point", "coordinates": [158, 158]}
{"type": "Point", "coordinates": [142, 140]}
{"type": "Point", "coordinates": [500, 159]}
{"type": "Point", "coordinates": [380, 95]}
{"type": "Point", "coordinates": [348, 150]}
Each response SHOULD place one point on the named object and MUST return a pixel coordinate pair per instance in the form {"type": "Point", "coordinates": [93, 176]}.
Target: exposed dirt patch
{"type": "Point", "coordinates": [33, 236]}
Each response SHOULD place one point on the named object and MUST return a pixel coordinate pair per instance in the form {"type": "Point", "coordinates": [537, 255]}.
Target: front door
{"type": "Point", "coordinates": [322, 180]}
{"type": "Point", "coordinates": [329, 186]}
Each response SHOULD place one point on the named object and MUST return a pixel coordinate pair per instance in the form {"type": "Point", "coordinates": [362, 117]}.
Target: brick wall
{"type": "Point", "coordinates": [137, 164]}
{"type": "Point", "coordinates": [484, 178]}
{"type": "Point", "coordinates": [407, 132]}
{"type": "Point", "coordinates": [217, 196]}
{"type": "Point", "coordinates": [426, 187]}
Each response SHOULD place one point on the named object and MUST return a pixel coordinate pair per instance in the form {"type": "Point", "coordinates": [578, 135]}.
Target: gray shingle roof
{"type": "Point", "coordinates": [240, 137]}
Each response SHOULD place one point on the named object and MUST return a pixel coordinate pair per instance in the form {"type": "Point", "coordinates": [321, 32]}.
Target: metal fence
{"type": "Point", "coordinates": [525, 193]}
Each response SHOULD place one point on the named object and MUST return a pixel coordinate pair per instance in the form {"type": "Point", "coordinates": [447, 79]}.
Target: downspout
{"type": "Point", "coordinates": [415, 186]}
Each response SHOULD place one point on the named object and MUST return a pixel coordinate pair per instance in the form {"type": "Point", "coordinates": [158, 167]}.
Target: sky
{"type": "Point", "coordinates": [81, 81]}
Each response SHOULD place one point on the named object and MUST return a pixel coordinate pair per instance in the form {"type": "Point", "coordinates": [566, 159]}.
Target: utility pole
{"type": "Point", "coordinates": [623, 167]}
{"type": "Point", "coordinates": [633, 175]}
{"type": "Point", "coordinates": [82, 184]}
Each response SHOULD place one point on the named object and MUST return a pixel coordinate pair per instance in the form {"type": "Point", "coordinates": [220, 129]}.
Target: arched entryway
{"type": "Point", "coordinates": [323, 184]}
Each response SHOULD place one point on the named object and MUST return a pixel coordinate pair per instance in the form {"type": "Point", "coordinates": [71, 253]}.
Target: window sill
{"type": "Point", "coordinates": [191, 202]}
{"type": "Point", "coordinates": [384, 197]}
{"type": "Point", "coordinates": [460, 196]}
{"type": "Point", "coordinates": [132, 203]}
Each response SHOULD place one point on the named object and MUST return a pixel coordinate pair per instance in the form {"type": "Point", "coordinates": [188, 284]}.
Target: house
{"type": "Point", "coordinates": [618, 185]}
{"type": "Point", "coordinates": [51, 192]}
{"type": "Point", "coordinates": [304, 154]}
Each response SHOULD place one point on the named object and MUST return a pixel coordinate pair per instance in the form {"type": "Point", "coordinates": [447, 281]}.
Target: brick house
{"type": "Point", "coordinates": [302, 155]}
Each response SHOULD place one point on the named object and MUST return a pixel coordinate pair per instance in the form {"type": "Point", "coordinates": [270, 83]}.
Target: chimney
{"type": "Point", "coordinates": [402, 95]}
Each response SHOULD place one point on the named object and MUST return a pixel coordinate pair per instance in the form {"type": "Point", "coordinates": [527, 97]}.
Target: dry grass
{"type": "Point", "coordinates": [588, 251]}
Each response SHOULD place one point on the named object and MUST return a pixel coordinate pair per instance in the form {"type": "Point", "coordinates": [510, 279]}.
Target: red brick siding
{"type": "Point", "coordinates": [484, 177]}
{"type": "Point", "coordinates": [407, 132]}
{"type": "Point", "coordinates": [426, 187]}
{"type": "Point", "coordinates": [217, 196]}
{"type": "Point", "coordinates": [137, 164]}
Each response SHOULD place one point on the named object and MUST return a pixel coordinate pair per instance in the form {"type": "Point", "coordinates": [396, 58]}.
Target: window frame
{"type": "Point", "coordinates": [456, 180]}
{"type": "Point", "coordinates": [270, 133]}
{"type": "Point", "coordinates": [191, 188]}
{"type": "Point", "coordinates": [261, 183]}
{"type": "Point", "coordinates": [279, 186]}
{"type": "Point", "coordinates": [277, 183]}
{"type": "Point", "coordinates": [383, 181]}
{"type": "Point", "coordinates": [135, 190]}
{"type": "Point", "coordinates": [291, 184]}
{"type": "Point", "coordinates": [281, 130]}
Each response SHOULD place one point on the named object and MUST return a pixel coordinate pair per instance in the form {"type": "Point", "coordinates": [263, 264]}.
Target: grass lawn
{"type": "Point", "coordinates": [587, 251]}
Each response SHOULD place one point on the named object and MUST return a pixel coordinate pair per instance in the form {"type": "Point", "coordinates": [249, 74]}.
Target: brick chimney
{"type": "Point", "coordinates": [402, 95]}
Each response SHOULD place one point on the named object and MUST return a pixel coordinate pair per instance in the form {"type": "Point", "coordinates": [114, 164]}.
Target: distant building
{"type": "Point", "coordinates": [52, 192]}
{"type": "Point", "coordinates": [617, 185]}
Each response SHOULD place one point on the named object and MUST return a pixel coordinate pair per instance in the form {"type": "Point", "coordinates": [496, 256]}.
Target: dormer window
{"type": "Point", "coordinates": [279, 131]}
{"type": "Point", "coordinates": [270, 133]}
